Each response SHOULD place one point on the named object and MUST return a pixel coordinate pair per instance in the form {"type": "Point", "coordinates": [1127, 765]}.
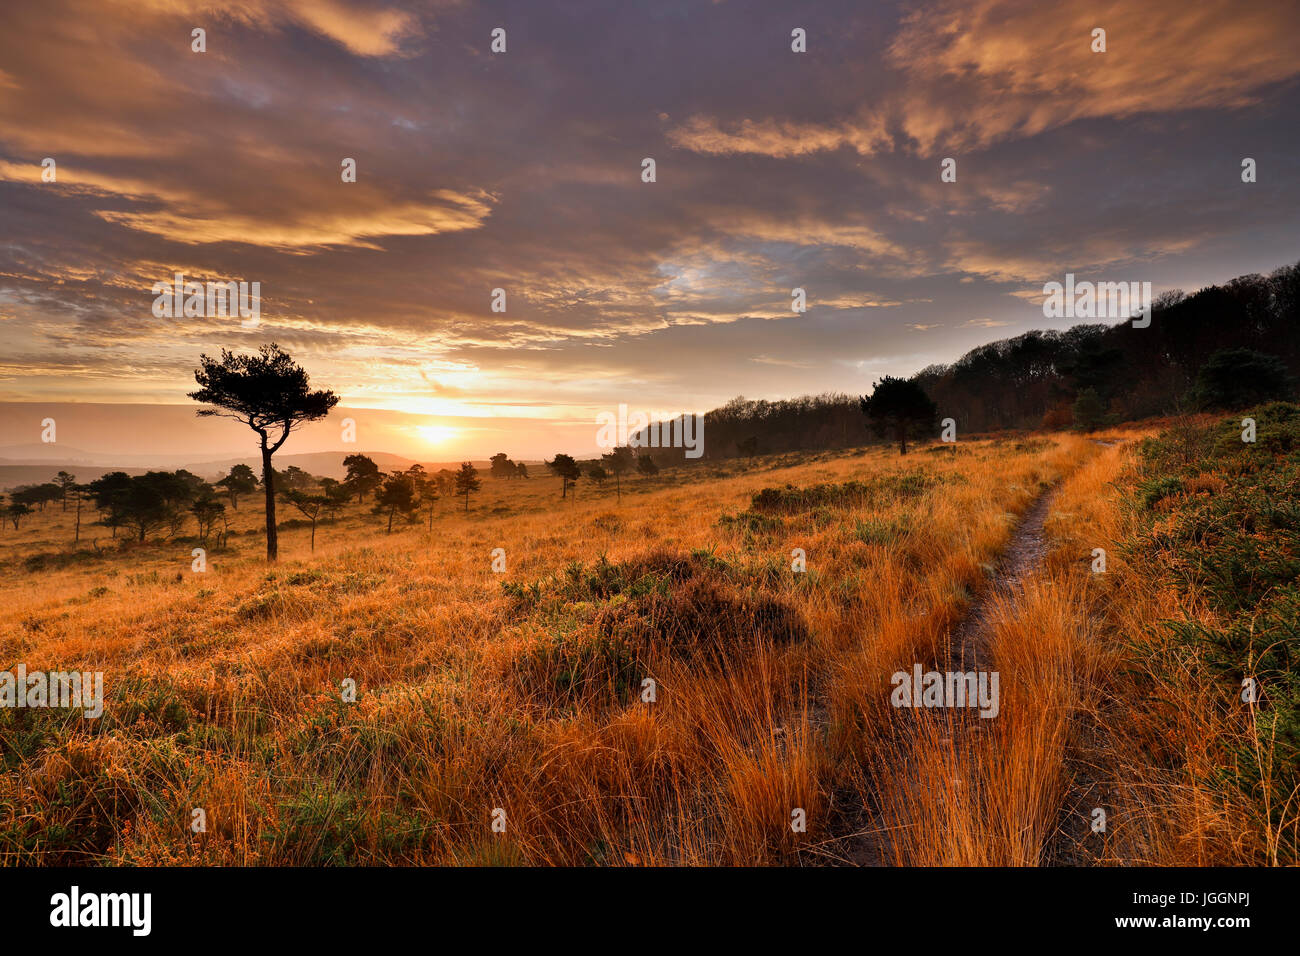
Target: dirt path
{"type": "Point", "coordinates": [1021, 558]}
{"type": "Point", "coordinates": [865, 840]}
{"type": "Point", "coordinates": [868, 842]}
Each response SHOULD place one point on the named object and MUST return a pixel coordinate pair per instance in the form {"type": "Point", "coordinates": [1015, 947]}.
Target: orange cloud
{"type": "Point", "coordinates": [975, 73]}
{"type": "Point", "coordinates": [444, 211]}
{"type": "Point", "coordinates": [365, 31]}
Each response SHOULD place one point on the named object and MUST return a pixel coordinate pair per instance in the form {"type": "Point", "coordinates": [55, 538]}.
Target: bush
{"type": "Point", "coordinates": [1088, 412]}
{"type": "Point", "coordinates": [586, 668]}
{"type": "Point", "coordinates": [702, 615]}
{"type": "Point", "coordinates": [1235, 378]}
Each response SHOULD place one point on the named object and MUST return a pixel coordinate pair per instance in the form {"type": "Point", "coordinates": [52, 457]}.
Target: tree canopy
{"type": "Point", "coordinates": [899, 407]}
{"type": "Point", "coordinates": [272, 395]}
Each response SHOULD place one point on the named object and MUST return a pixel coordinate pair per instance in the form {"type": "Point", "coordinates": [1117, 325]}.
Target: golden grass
{"type": "Point", "coordinates": [772, 686]}
{"type": "Point", "coordinates": [1150, 746]}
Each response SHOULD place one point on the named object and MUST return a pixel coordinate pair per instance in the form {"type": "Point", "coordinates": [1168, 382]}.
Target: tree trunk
{"type": "Point", "coordinates": [268, 482]}
{"type": "Point", "coordinates": [77, 537]}
{"type": "Point", "coordinates": [902, 439]}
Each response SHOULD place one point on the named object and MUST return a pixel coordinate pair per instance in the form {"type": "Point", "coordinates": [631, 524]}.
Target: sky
{"type": "Point", "coordinates": [522, 170]}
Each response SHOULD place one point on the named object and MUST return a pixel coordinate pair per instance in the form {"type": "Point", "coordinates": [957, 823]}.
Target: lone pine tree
{"type": "Point", "coordinates": [269, 393]}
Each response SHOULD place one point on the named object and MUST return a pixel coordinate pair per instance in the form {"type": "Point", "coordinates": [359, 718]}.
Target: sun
{"type": "Point", "coordinates": [436, 434]}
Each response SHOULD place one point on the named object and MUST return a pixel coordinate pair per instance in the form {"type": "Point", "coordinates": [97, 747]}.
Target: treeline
{"type": "Point", "coordinates": [1187, 359]}
{"type": "Point", "coordinates": [141, 505]}
{"type": "Point", "coordinates": [1226, 346]}
{"type": "Point", "coordinates": [168, 503]}
{"type": "Point", "coordinates": [619, 462]}
{"type": "Point", "coordinates": [29, 498]}
{"type": "Point", "coordinates": [745, 428]}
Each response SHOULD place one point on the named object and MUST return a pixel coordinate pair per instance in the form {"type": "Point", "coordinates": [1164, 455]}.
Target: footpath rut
{"type": "Point", "coordinates": [1020, 559]}
{"type": "Point", "coordinates": [868, 845]}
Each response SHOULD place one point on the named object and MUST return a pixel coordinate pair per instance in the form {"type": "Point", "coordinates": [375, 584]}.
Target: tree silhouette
{"type": "Point", "coordinates": [207, 510]}
{"type": "Point", "coordinates": [646, 465]}
{"type": "Point", "coordinates": [618, 461]}
{"type": "Point", "coordinates": [502, 466]}
{"type": "Point", "coordinates": [145, 504]}
{"type": "Point", "coordinates": [426, 489]}
{"type": "Point", "coordinates": [363, 475]}
{"type": "Point", "coordinates": [295, 478]}
{"type": "Point", "coordinates": [38, 495]}
{"type": "Point", "coordinates": [597, 474]}
{"type": "Point", "coordinates": [467, 482]}
{"type": "Point", "coordinates": [79, 493]}
{"type": "Point", "coordinates": [102, 491]}
{"type": "Point", "coordinates": [66, 482]}
{"type": "Point", "coordinates": [270, 394]}
{"type": "Point", "coordinates": [397, 493]}
{"type": "Point", "coordinates": [312, 507]}
{"type": "Point", "coordinates": [1088, 411]}
{"type": "Point", "coordinates": [17, 511]}
{"type": "Point", "coordinates": [240, 481]}
{"type": "Point", "coordinates": [567, 469]}
{"type": "Point", "coordinates": [897, 406]}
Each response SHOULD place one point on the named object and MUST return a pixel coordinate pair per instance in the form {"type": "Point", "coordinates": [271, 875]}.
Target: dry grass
{"type": "Point", "coordinates": [523, 691]}
{"type": "Point", "coordinates": [1159, 733]}
{"type": "Point", "coordinates": [1090, 720]}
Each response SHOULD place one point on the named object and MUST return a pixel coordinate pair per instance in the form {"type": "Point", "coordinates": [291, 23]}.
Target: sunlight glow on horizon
{"type": "Point", "coordinates": [436, 434]}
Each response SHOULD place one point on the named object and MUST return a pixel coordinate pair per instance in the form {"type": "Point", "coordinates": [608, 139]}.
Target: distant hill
{"type": "Point", "coordinates": [1032, 381]}
{"type": "Point", "coordinates": [35, 463]}
{"type": "Point", "coordinates": [36, 453]}
{"type": "Point", "coordinates": [13, 476]}
{"type": "Point", "coordinates": [324, 464]}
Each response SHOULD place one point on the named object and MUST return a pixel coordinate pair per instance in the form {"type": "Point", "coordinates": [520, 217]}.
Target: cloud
{"type": "Point", "coordinates": [444, 211]}
{"type": "Point", "coordinates": [364, 32]}
{"type": "Point", "coordinates": [779, 138]}
{"type": "Point", "coordinates": [971, 73]}
{"type": "Point", "coordinates": [523, 172]}
{"type": "Point", "coordinates": [361, 28]}
{"type": "Point", "coordinates": [984, 71]}
{"type": "Point", "coordinates": [785, 363]}
{"type": "Point", "coordinates": [857, 302]}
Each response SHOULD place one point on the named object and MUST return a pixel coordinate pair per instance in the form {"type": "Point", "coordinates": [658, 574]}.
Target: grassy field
{"type": "Point", "coordinates": [521, 698]}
